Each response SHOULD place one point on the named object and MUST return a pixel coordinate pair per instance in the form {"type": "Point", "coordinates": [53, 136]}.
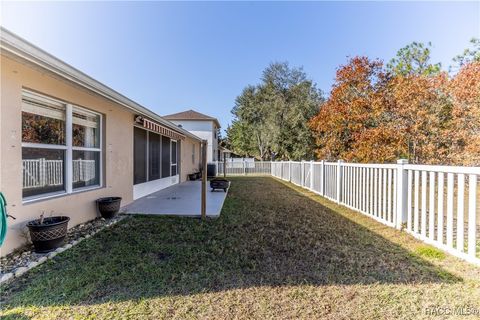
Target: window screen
{"type": "Point", "coordinates": [153, 156]}
{"type": "Point", "coordinates": [139, 155]}
{"type": "Point", "coordinates": [165, 157]}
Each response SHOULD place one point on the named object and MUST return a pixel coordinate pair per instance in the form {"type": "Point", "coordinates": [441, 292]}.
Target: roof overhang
{"type": "Point", "coordinates": [16, 47]}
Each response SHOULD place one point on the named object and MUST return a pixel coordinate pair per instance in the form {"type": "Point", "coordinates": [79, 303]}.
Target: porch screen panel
{"type": "Point", "coordinates": [139, 155]}
{"type": "Point", "coordinates": [165, 157]}
{"type": "Point", "coordinates": [153, 156]}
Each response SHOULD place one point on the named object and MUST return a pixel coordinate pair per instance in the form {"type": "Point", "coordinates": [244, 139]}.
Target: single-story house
{"type": "Point", "coordinates": [66, 140]}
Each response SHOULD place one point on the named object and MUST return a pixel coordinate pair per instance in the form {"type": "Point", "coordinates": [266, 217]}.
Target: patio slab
{"type": "Point", "coordinates": [182, 199]}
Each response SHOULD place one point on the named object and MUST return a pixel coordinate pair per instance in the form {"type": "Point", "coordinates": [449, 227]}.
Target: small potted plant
{"type": "Point", "coordinates": [109, 206]}
{"type": "Point", "coordinates": [49, 233]}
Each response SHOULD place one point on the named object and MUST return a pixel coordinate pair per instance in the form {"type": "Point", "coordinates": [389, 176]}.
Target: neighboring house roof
{"type": "Point", "coordinates": [191, 115]}
{"type": "Point", "coordinates": [225, 150]}
{"type": "Point", "coordinates": [16, 47]}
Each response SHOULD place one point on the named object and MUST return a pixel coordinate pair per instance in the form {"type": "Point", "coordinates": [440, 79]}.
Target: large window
{"type": "Point", "coordinates": [61, 147]}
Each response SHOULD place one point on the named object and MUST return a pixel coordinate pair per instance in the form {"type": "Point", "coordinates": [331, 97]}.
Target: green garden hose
{"type": "Point", "coordinates": [3, 218]}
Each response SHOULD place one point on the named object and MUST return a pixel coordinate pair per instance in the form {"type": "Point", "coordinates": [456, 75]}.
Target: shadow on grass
{"type": "Point", "coordinates": [267, 235]}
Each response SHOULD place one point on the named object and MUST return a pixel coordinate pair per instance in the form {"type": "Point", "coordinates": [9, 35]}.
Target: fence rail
{"type": "Point", "coordinates": [436, 204]}
{"type": "Point", "coordinates": [244, 167]}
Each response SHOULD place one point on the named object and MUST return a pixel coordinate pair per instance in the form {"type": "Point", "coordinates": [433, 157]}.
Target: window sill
{"type": "Point", "coordinates": [86, 189]}
{"type": "Point", "coordinates": [52, 196]}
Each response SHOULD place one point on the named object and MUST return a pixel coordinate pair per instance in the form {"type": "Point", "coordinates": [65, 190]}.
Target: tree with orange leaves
{"type": "Point", "coordinates": [353, 123]}
{"type": "Point", "coordinates": [464, 91]}
{"type": "Point", "coordinates": [420, 116]}
{"type": "Point", "coordinates": [376, 116]}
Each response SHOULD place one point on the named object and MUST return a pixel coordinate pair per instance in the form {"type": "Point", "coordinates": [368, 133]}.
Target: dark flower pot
{"type": "Point", "coordinates": [219, 183]}
{"type": "Point", "coordinates": [109, 206]}
{"type": "Point", "coordinates": [50, 234]}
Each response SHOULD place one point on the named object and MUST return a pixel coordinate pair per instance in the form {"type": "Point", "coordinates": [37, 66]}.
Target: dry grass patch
{"type": "Point", "coordinates": [277, 251]}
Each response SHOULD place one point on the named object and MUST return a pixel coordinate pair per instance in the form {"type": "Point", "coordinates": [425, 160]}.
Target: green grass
{"type": "Point", "coordinates": [275, 252]}
{"type": "Point", "coordinates": [430, 252]}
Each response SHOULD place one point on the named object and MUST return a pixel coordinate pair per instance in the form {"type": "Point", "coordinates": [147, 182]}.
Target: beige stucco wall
{"type": "Point", "coordinates": [118, 159]}
{"type": "Point", "coordinates": [187, 166]}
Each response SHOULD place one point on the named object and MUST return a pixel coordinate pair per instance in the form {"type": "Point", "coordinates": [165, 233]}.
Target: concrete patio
{"type": "Point", "coordinates": [179, 200]}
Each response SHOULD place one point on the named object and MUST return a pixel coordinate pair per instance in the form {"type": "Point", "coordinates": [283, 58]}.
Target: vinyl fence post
{"type": "Point", "coordinates": [289, 171]}
{"type": "Point", "coordinates": [402, 191]}
{"type": "Point", "coordinates": [339, 181]}
{"type": "Point", "coordinates": [203, 196]}
{"type": "Point", "coordinates": [244, 167]}
{"type": "Point", "coordinates": [311, 174]}
{"type": "Point", "coordinates": [302, 173]}
{"type": "Point", "coordinates": [224, 165]}
{"type": "Point", "coordinates": [322, 180]}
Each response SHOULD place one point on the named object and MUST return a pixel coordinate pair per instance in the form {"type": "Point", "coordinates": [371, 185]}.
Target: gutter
{"type": "Point", "coordinates": [17, 47]}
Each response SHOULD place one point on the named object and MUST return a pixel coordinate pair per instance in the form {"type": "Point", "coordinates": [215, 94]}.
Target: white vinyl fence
{"type": "Point", "coordinates": [40, 172]}
{"type": "Point", "coordinates": [244, 167]}
{"type": "Point", "coordinates": [436, 204]}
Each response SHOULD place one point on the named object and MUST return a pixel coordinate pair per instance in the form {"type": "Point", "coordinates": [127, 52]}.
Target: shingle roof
{"type": "Point", "coordinates": [191, 115]}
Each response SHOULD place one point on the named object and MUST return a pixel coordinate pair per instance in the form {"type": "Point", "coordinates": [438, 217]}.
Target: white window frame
{"type": "Point", "coordinates": [176, 157]}
{"type": "Point", "coordinates": [68, 147]}
{"type": "Point", "coordinates": [71, 148]}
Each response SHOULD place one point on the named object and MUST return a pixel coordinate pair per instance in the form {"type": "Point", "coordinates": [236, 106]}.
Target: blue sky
{"type": "Point", "coordinates": [171, 57]}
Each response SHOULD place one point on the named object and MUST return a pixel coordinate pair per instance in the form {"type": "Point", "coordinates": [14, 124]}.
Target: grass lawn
{"type": "Point", "coordinates": [276, 251]}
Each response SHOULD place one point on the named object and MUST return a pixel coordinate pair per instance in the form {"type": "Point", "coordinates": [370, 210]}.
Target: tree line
{"type": "Point", "coordinates": [376, 112]}
{"type": "Point", "coordinates": [273, 116]}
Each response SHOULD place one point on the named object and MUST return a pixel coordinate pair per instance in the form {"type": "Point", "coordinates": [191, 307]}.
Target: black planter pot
{"type": "Point", "coordinates": [109, 206]}
{"type": "Point", "coordinates": [50, 234]}
{"type": "Point", "coordinates": [219, 183]}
